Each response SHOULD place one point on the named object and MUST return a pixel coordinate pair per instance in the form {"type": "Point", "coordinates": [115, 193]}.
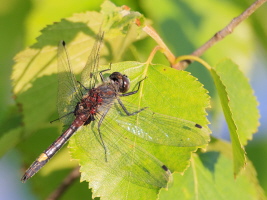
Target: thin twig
{"type": "Point", "coordinates": [72, 176]}
{"type": "Point", "coordinates": [152, 54]}
{"type": "Point", "coordinates": [152, 33]}
{"type": "Point", "coordinates": [222, 33]}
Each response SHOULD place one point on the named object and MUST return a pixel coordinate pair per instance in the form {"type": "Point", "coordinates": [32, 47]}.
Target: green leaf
{"type": "Point", "coordinates": [166, 91]}
{"type": "Point", "coordinates": [10, 127]}
{"type": "Point", "coordinates": [210, 177]}
{"type": "Point", "coordinates": [239, 106]}
{"type": "Point", "coordinates": [256, 151]}
{"type": "Point", "coordinates": [9, 140]}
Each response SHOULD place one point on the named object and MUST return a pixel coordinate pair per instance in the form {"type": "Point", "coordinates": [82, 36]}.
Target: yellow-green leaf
{"type": "Point", "coordinates": [239, 106]}
{"type": "Point", "coordinates": [210, 177]}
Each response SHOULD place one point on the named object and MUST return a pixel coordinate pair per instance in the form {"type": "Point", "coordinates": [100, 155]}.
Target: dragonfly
{"type": "Point", "coordinates": [87, 105]}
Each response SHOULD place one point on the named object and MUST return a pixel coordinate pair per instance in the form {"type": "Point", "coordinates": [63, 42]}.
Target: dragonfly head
{"type": "Point", "coordinates": [121, 80]}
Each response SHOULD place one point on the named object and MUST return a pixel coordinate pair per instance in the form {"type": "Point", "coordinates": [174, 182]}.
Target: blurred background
{"type": "Point", "coordinates": [183, 25]}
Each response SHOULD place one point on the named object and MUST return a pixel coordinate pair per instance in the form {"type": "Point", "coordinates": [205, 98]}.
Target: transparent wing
{"type": "Point", "coordinates": [124, 158]}
{"type": "Point", "coordinates": [68, 91]}
{"type": "Point", "coordinates": [90, 71]}
{"type": "Point", "coordinates": [162, 129]}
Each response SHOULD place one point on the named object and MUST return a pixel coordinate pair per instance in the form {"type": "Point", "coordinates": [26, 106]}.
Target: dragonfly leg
{"type": "Point", "coordinates": [100, 135]}
{"type": "Point", "coordinates": [62, 117]}
{"type": "Point", "coordinates": [101, 75]}
{"type": "Point", "coordinates": [133, 92]}
{"type": "Point", "coordinates": [82, 85]}
{"type": "Point", "coordinates": [126, 111]}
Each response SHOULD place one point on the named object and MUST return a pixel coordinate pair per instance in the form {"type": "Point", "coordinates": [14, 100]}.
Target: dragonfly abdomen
{"type": "Point", "coordinates": [53, 148]}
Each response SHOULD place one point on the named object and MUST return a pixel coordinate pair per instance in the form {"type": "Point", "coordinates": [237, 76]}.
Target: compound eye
{"type": "Point", "coordinates": [121, 80]}
{"type": "Point", "coordinates": [125, 84]}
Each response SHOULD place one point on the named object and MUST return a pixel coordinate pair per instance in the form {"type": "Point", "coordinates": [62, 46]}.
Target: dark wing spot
{"type": "Point", "coordinates": [63, 43]}
{"type": "Point", "coordinates": [198, 126]}
{"type": "Point", "coordinates": [165, 167]}
{"type": "Point", "coordinates": [146, 170]}
{"type": "Point", "coordinates": [187, 128]}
